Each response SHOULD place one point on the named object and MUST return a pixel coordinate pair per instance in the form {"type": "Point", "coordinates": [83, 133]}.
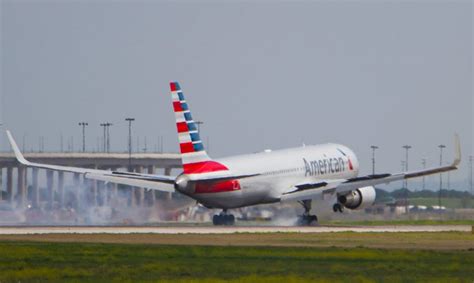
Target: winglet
{"type": "Point", "coordinates": [16, 150]}
{"type": "Point", "coordinates": [457, 151]}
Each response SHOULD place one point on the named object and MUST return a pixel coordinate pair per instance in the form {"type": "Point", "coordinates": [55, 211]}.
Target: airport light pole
{"type": "Point", "coordinates": [107, 126]}
{"type": "Point", "coordinates": [104, 146]}
{"type": "Point", "coordinates": [83, 125]}
{"type": "Point", "coordinates": [161, 144]}
{"type": "Point", "coordinates": [406, 147]}
{"type": "Point", "coordinates": [1, 174]}
{"type": "Point", "coordinates": [199, 123]}
{"type": "Point", "coordinates": [470, 173]}
{"type": "Point", "coordinates": [441, 146]}
{"type": "Point", "coordinates": [373, 147]}
{"type": "Point", "coordinates": [423, 162]}
{"type": "Point", "coordinates": [41, 144]}
{"type": "Point", "coordinates": [130, 120]}
{"type": "Point", "coordinates": [448, 181]}
{"type": "Point", "coordinates": [61, 142]}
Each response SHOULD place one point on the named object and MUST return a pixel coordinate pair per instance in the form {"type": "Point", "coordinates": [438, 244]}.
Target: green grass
{"type": "Point", "coordinates": [398, 222]}
{"type": "Point", "coordinates": [34, 261]}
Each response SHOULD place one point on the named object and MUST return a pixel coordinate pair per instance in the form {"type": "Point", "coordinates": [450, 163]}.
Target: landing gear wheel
{"type": "Point", "coordinates": [229, 219]}
{"type": "Point", "coordinates": [217, 220]}
{"type": "Point", "coordinates": [223, 219]}
{"type": "Point", "coordinates": [337, 207]}
{"type": "Point", "coordinates": [307, 219]}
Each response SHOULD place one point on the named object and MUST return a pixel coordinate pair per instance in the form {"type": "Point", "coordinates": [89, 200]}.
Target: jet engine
{"type": "Point", "coordinates": [357, 199]}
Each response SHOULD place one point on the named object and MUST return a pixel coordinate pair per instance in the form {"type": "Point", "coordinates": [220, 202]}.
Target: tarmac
{"type": "Point", "coordinates": [24, 230]}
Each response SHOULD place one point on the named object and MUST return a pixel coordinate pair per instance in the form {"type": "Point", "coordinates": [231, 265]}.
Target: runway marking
{"type": "Point", "coordinates": [231, 230]}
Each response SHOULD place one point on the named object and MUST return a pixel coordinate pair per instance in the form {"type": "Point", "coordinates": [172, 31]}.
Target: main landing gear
{"type": "Point", "coordinates": [223, 219]}
{"type": "Point", "coordinates": [307, 219]}
{"type": "Point", "coordinates": [338, 207]}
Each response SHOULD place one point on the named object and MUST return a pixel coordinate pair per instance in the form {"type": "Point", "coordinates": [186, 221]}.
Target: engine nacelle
{"type": "Point", "coordinates": [358, 199]}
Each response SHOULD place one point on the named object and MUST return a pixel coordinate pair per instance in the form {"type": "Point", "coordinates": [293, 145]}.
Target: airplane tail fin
{"type": "Point", "coordinates": [194, 157]}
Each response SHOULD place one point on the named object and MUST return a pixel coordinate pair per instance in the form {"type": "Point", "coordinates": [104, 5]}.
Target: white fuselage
{"type": "Point", "coordinates": [278, 171]}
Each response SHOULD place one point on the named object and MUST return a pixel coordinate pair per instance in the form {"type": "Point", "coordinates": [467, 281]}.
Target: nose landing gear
{"type": "Point", "coordinates": [223, 219]}
{"type": "Point", "coordinates": [307, 219]}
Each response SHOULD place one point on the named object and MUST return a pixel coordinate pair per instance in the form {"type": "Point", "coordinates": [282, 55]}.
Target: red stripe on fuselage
{"type": "Point", "coordinates": [182, 127]}
{"type": "Point", "coordinates": [203, 167]}
{"type": "Point", "coordinates": [219, 187]}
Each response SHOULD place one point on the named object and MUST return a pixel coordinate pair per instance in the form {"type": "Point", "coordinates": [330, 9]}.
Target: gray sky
{"type": "Point", "coordinates": [261, 75]}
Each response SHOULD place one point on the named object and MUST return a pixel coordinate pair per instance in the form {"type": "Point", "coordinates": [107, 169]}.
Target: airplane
{"type": "Point", "coordinates": [299, 174]}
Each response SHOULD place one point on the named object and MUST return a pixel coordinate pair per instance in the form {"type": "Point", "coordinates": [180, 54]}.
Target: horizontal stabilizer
{"type": "Point", "coordinates": [226, 177]}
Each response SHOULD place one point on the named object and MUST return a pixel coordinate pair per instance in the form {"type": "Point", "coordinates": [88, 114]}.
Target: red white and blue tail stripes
{"type": "Point", "coordinates": [194, 157]}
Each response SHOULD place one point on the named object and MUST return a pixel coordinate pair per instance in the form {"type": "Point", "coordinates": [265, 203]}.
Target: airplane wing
{"type": "Point", "coordinates": [154, 182]}
{"type": "Point", "coordinates": [308, 190]}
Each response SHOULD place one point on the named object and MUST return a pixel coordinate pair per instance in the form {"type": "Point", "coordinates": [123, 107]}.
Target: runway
{"type": "Point", "coordinates": [230, 230]}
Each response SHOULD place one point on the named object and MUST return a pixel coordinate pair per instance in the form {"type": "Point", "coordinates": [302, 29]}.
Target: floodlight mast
{"type": "Point", "coordinates": [83, 125]}
{"type": "Point", "coordinates": [130, 120]}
